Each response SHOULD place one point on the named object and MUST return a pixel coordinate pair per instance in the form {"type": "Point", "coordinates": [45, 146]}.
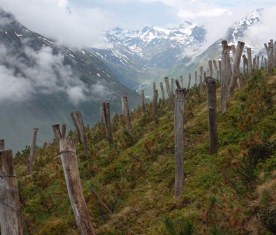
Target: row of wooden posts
{"type": "Point", "coordinates": [227, 73]}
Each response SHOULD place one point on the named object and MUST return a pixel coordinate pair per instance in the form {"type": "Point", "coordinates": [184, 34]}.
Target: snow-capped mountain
{"type": "Point", "coordinates": [42, 82]}
{"type": "Point", "coordinates": [150, 52]}
{"type": "Point", "coordinates": [140, 56]}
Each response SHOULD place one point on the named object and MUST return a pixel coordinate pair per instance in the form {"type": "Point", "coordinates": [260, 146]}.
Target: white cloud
{"type": "Point", "coordinates": [215, 12]}
{"type": "Point", "coordinates": [75, 27]}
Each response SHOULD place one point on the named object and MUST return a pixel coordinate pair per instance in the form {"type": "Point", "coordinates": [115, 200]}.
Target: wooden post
{"type": "Point", "coordinates": [179, 141]}
{"type": "Point", "coordinates": [189, 83]}
{"type": "Point", "coordinates": [269, 51]}
{"type": "Point", "coordinates": [257, 62]}
{"type": "Point", "coordinates": [57, 132]}
{"type": "Point", "coordinates": [274, 55]}
{"type": "Point", "coordinates": [162, 90]}
{"type": "Point", "coordinates": [220, 70]}
{"type": "Point", "coordinates": [254, 63]}
{"type": "Point", "coordinates": [143, 103]}
{"type": "Point", "coordinates": [172, 87]}
{"type": "Point", "coordinates": [32, 152]}
{"type": "Point", "coordinates": [154, 86]}
{"type": "Point", "coordinates": [225, 73]}
{"type": "Point", "coordinates": [235, 78]}
{"type": "Point", "coordinates": [249, 60]}
{"type": "Point", "coordinates": [168, 86]}
{"type": "Point", "coordinates": [126, 113]}
{"type": "Point", "coordinates": [79, 125]}
{"type": "Point", "coordinates": [10, 217]}
{"type": "Point", "coordinates": [210, 62]}
{"type": "Point", "coordinates": [201, 80]}
{"type": "Point", "coordinates": [107, 122]}
{"type": "Point", "coordinates": [63, 129]}
{"type": "Point", "coordinates": [2, 144]}
{"type": "Point", "coordinates": [212, 108]}
{"type": "Point", "coordinates": [73, 184]}
{"type": "Point", "coordinates": [182, 81]}
{"type": "Point", "coordinates": [245, 64]}
{"type": "Point", "coordinates": [155, 107]}
{"type": "Point", "coordinates": [195, 78]}
{"type": "Point", "coordinates": [178, 86]}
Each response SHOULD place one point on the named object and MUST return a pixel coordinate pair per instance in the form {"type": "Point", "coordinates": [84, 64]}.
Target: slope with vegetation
{"type": "Point", "coordinates": [129, 187]}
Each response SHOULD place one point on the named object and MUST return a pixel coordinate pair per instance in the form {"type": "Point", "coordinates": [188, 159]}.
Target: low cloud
{"type": "Point", "coordinates": [44, 73]}
{"type": "Point", "coordinates": [70, 25]}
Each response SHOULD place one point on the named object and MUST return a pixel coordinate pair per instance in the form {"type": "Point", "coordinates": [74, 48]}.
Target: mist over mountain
{"type": "Point", "coordinates": [42, 82]}
{"type": "Point", "coordinates": [142, 56]}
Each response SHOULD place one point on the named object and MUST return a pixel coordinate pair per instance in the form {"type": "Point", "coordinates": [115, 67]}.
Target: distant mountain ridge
{"type": "Point", "coordinates": [42, 82]}
{"type": "Point", "coordinates": [142, 56]}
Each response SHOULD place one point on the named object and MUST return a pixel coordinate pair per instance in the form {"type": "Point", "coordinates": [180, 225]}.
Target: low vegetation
{"type": "Point", "coordinates": [129, 187]}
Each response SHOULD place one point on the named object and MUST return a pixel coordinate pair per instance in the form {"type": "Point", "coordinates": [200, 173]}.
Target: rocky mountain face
{"type": "Point", "coordinates": [42, 82]}
{"type": "Point", "coordinates": [141, 56]}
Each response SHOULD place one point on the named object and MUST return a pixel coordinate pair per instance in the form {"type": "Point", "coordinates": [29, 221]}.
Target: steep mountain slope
{"type": "Point", "coordinates": [43, 82]}
{"type": "Point", "coordinates": [129, 187]}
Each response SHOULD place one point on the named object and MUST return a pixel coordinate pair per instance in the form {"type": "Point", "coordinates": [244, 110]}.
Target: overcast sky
{"type": "Point", "coordinates": [80, 23]}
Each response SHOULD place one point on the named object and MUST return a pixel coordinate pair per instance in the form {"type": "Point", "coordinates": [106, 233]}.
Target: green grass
{"type": "Point", "coordinates": [134, 178]}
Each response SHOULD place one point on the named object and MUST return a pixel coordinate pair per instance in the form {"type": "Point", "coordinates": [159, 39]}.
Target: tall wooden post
{"type": "Point", "coordinates": [155, 106]}
{"type": "Point", "coordinates": [154, 86]}
{"type": "Point", "coordinates": [220, 70]}
{"type": "Point", "coordinates": [162, 90]}
{"type": "Point", "coordinates": [143, 103]}
{"type": "Point", "coordinates": [182, 81]}
{"type": "Point", "coordinates": [245, 64]}
{"type": "Point", "coordinates": [32, 152]}
{"type": "Point", "coordinates": [201, 80]}
{"type": "Point", "coordinates": [179, 141]}
{"type": "Point", "coordinates": [254, 63]}
{"type": "Point", "coordinates": [257, 62]}
{"type": "Point", "coordinates": [269, 51]}
{"type": "Point", "coordinates": [74, 188]}
{"type": "Point", "coordinates": [196, 78]}
{"type": "Point", "coordinates": [178, 86]}
{"type": "Point", "coordinates": [79, 125]}
{"type": "Point", "coordinates": [225, 73]}
{"type": "Point", "coordinates": [168, 86]}
{"type": "Point", "coordinates": [10, 217]}
{"type": "Point", "coordinates": [189, 83]}
{"type": "Point", "coordinates": [126, 113]}
{"type": "Point", "coordinates": [249, 59]}
{"type": "Point", "coordinates": [236, 68]}
{"type": "Point", "coordinates": [107, 122]}
{"type": "Point", "coordinates": [172, 87]}
{"type": "Point", "coordinates": [212, 108]}
{"type": "Point", "coordinates": [210, 63]}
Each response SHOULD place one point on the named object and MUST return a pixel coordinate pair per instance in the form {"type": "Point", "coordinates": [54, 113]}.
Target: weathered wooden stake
{"type": "Point", "coordinates": [143, 103]}
{"type": "Point", "coordinates": [155, 106]}
{"type": "Point", "coordinates": [196, 82]}
{"type": "Point", "coordinates": [269, 51]}
{"type": "Point", "coordinates": [10, 216]}
{"type": "Point", "coordinates": [245, 64]}
{"type": "Point", "coordinates": [32, 152]}
{"type": "Point", "coordinates": [210, 63]}
{"type": "Point", "coordinates": [154, 86]}
{"type": "Point", "coordinates": [162, 90]}
{"type": "Point", "coordinates": [172, 87]}
{"type": "Point", "coordinates": [249, 60]}
{"type": "Point", "coordinates": [235, 78]}
{"type": "Point", "coordinates": [182, 81]}
{"type": "Point", "coordinates": [126, 113]}
{"type": "Point", "coordinates": [107, 122]}
{"type": "Point", "coordinates": [178, 86]}
{"type": "Point", "coordinates": [73, 184]}
{"type": "Point", "coordinates": [168, 86]}
{"type": "Point", "coordinates": [201, 80]}
{"type": "Point", "coordinates": [212, 108]}
{"type": "Point", "coordinates": [79, 125]}
{"type": "Point", "coordinates": [179, 141]}
{"type": "Point", "coordinates": [189, 83]}
{"type": "Point", "coordinates": [225, 73]}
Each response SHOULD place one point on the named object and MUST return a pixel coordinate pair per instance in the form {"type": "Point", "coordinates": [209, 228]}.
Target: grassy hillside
{"type": "Point", "coordinates": [129, 188]}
